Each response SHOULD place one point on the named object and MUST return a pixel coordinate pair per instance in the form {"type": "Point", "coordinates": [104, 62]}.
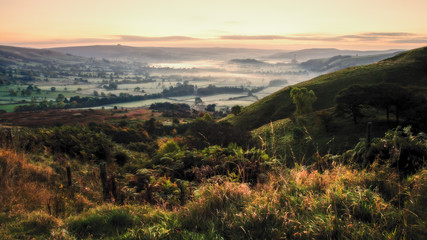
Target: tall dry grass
{"type": "Point", "coordinates": [23, 186]}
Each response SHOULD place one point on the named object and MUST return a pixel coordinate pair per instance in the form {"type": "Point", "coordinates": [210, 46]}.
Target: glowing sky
{"type": "Point", "coordinates": [277, 24]}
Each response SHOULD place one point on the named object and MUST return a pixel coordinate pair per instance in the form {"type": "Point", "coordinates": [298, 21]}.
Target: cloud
{"type": "Point", "coordinates": [279, 37]}
{"type": "Point", "coordinates": [67, 41]}
{"type": "Point", "coordinates": [394, 37]}
{"type": "Point", "coordinates": [108, 40]}
{"type": "Point", "coordinates": [414, 40]}
{"type": "Point", "coordinates": [252, 37]}
{"type": "Point", "coordinates": [134, 38]}
{"type": "Point", "coordinates": [224, 37]}
{"type": "Point", "coordinates": [388, 34]}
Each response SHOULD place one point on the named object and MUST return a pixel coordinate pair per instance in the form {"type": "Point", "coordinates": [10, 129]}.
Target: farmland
{"type": "Point", "coordinates": [46, 79]}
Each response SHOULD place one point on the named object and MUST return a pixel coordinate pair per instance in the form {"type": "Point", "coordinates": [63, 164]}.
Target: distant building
{"type": "Point", "coordinates": [294, 60]}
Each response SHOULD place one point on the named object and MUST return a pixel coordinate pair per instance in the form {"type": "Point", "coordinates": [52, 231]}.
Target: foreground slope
{"type": "Point", "coordinates": [408, 69]}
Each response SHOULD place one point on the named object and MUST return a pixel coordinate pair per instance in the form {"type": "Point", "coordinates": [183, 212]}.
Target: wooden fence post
{"type": "Point", "coordinates": [368, 134]}
{"type": "Point", "coordinates": [103, 176]}
{"type": "Point", "coordinates": [113, 187]}
{"type": "Point", "coordinates": [70, 183]}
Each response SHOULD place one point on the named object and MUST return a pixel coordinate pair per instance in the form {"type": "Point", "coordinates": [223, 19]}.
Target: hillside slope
{"type": "Point", "coordinates": [16, 55]}
{"type": "Point", "coordinates": [161, 54]}
{"type": "Point", "coordinates": [408, 69]}
{"type": "Point", "coordinates": [328, 65]}
{"type": "Point", "coordinates": [316, 53]}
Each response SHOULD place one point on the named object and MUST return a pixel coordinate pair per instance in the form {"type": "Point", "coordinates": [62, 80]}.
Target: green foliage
{"type": "Point", "coordinates": [236, 109]}
{"type": "Point", "coordinates": [121, 158]}
{"type": "Point", "coordinates": [34, 225]}
{"type": "Point", "coordinates": [121, 133]}
{"type": "Point", "coordinates": [213, 207]}
{"type": "Point", "coordinates": [389, 97]}
{"type": "Point", "coordinates": [247, 166]}
{"type": "Point", "coordinates": [207, 117]}
{"type": "Point", "coordinates": [399, 148]}
{"type": "Point", "coordinates": [205, 132]}
{"type": "Point", "coordinates": [169, 147]}
{"type": "Point", "coordinates": [101, 223]}
{"type": "Point", "coordinates": [198, 100]}
{"type": "Point", "coordinates": [303, 99]}
{"type": "Point", "coordinates": [79, 142]}
{"type": "Point", "coordinates": [212, 184]}
{"type": "Point", "coordinates": [352, 100]}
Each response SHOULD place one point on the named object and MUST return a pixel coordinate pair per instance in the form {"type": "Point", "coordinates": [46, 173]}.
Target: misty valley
{"type": "Point", "coordinates": [126, 77]}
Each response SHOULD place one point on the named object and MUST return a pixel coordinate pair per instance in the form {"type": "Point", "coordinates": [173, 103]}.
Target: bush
{"type": "Point", "coordinates": [216, 205]}
{"type": "Point", "coordinates": [204, 133]}
{"type": "Point", "coordinates": [121, 158]}
{"type": "Point", "coordinates": [399, 148]}
{"type": "Point", "coordinates": [78, 142]}
{"type": "Point", "coordinates": [35, 225]}
{"type": "Point", "coordinates": [101, 222]}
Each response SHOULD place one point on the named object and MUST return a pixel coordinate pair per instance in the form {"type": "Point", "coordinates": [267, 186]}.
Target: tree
{"type": "Point", "coordinates": [303, 99]}
{"type": "Point", "coordinates": [236, 110]}
{"type": "Point", "coordinates": [198, 100]}
{"type": "Point", "coordinates": [53, 89]}
{"type": "Point", "coordinates": [60, 97]}
{"type": "Point", "coordinates": [351, 100]}
{"type": "Point", "coordinates": [13, 93]}
{"type": "Point", "coordinates": [210, 107]}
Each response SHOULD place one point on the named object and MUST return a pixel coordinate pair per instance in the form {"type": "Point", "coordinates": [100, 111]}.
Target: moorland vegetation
{"type": "Point", "coordinates": [277, 169]}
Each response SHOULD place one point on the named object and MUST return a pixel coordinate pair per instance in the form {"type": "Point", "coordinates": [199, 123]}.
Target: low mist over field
{"type": "Point", "coordinates": [233, 76]}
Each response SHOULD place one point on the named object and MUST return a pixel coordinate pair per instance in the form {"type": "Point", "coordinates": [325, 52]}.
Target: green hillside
{"type": "Point", "coordinates": [408, 69]}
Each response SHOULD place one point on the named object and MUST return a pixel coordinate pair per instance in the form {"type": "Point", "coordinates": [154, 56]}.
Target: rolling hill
{"type": "Point", "coordinates": [408, 69]}
{"type": "Point", "coordinates": [161, 54]}
{"type": "Point", "coordinates": [316, 53]}
{"type": "Point", "coordinates": [335, 63]}
{"type": "Point", "coordinates": [16, 55]}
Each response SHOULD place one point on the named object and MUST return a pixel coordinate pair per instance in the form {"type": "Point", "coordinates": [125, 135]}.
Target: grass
{"type": "Point", "coordinates": [101, 222]}
{"type": "Point", "coordinates": [24, 186]}
{"type": "Point", "coordinates": [301, 202]}
{"type": "Point", "coordinates": [297, 139]}
{"type": "Point", "coordinates": [32, 225]}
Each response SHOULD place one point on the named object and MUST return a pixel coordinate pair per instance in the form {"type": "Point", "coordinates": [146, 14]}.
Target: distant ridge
{"type": "Point", "coordinates": [13, 55]}
{"type": "Point", "coordinates": [159, 54]}
{"type": "Point", "coordinates": [162, 54]}
{"type": "Point", "coordinates": [336, 63]}
{"type": "Point", "coordinates": [315, 53]}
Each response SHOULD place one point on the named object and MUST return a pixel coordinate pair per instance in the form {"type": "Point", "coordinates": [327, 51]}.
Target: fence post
{"type": "Point", "coordinates": [70, 183]}
{"type": "Point", "coordinates": [113, 187]}
{"type": "Point", "coordinates": [103, 176]}
{"type": "Point", "coordinates": [368, 134]}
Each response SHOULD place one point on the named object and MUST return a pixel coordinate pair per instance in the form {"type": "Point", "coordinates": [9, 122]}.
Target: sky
{"type": "Point", "coordinates": [268, 24]}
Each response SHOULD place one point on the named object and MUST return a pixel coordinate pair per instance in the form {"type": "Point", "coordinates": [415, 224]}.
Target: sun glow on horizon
{"type": "Point", "coordinates": [273, 24]}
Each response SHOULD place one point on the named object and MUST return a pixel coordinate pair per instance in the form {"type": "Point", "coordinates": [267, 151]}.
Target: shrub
{"type": "Point", "coordinates": [23, 186]}
{"type": "Point", "coordinates": [34, 225]}
{"type": "Point", "coordinates": [101, 222]}
{"type": "Point", "coordinates": [169, 147]}
{"type": "Point", "coordinates": [121, 158]}
{"type": "Point", "coordinates": [215, 204]}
